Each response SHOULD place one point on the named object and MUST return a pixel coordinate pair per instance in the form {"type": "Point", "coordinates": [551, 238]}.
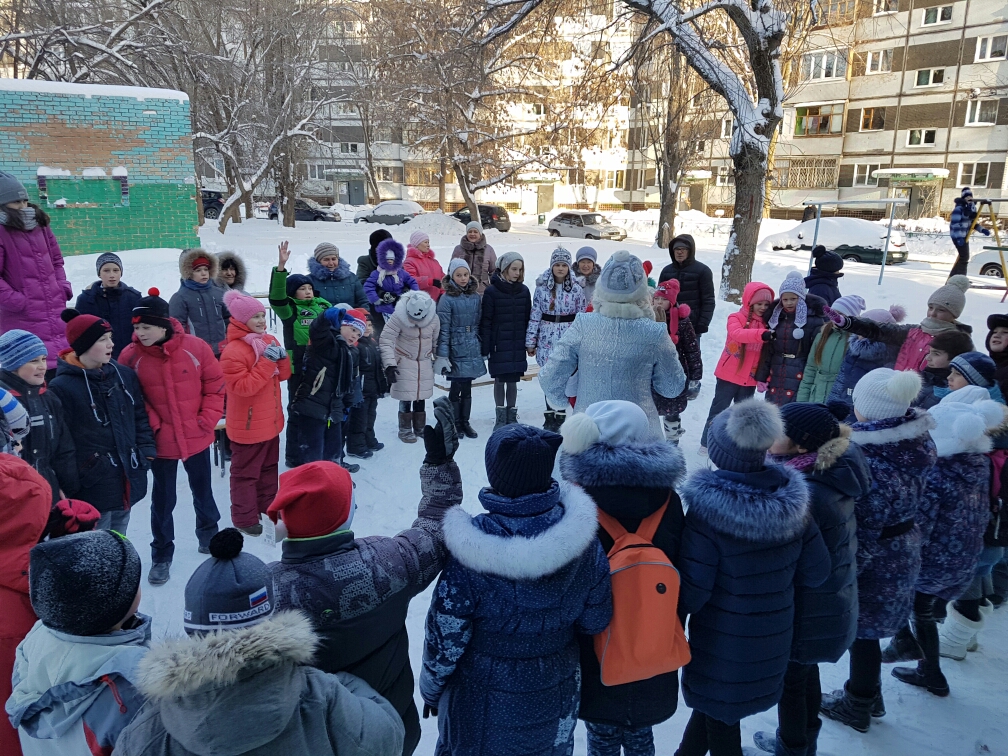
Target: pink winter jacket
{"type": "Point", "coordinates": [33, 286]}
{"type": "Point", "coordinates": [425, 268]}
{"type": "Point", "coordinates": [743, 333]}
{"type": "Point", "coordinates": [912, 355]}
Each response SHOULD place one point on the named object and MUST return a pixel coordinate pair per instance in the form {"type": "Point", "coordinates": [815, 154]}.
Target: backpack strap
{"type": "Point", "coordinates": [611, 525]}
{"type": "Point", "coordinates": [649, 525]}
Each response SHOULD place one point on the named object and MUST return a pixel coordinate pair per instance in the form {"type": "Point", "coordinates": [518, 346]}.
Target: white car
{"type": "Point", "coordinates": [390, 213]}
{"type": "Point", "coordinates": [582, 224]}
{"type": "Point", "coordinates": [854, 239]}
{"type": "Point", "coordinates": [987, 262]}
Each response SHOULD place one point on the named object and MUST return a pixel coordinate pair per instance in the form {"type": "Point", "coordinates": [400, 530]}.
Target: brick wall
{"type": "Point", "coordinates": [72, 128]}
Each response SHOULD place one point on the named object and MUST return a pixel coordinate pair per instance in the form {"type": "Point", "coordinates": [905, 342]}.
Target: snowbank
{"type": "Point", "coordinates": [437, 224]}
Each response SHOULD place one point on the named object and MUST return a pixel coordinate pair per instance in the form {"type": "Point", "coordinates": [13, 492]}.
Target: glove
{"type": "Point", "coordinates": [391, 374]}
{"type": "Point", "coordinates": [693, 391]}
{"type": "Point", "coordinates": [442, 365]}
{"type": "Point", "coordinates": [761, 386]}
{"type": "Point", "coordinates": [768, 335]}
{"type": "Point", "coordinates": [429, 711]}
{"type": "Point", "coordinates": [840, 320]}
{"type": "Point", "coordinates": [436, 283]}
{"type": "Point", "coordinates": [441, 441]}
{"type": "Point", "coordinates": [274, 352]}
{"type": "Point", "coordinates": [984, 231]}
{"type": "Point", "coordinates": [389, 298]}
{"type": "Point", "coordinates": [71, 516]}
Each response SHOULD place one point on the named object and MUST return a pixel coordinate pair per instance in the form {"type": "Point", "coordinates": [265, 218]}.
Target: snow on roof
{"type": "Point", "coordinates": [45, 170]}
{"type": "Point", "coordinates": [119, 170]}
{"type": "Point", "coordinates": [902, 171]}
{"type": "Point", "coordinates": [91, 90]}
{"type": "Point", "coordinates": [95, 172]}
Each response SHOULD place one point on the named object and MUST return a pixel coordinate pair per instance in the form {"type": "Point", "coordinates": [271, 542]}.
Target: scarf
{"type": "Point", "coordinates": [23, 220]}
{"type": "Point", "coordinates": [800, 462]}
{"type": "Point", "coordinates": [190, 284]}
{"type": "Point", "coordinates": [800, 317]}
{"type": "Point", "coordinates": [933, 327]}
{"type": "Point", "coordinates": [259, 342]}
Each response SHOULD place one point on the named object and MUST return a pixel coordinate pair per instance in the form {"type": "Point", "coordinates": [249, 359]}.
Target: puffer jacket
{"type": "Point", "coordinates": [254, 403]}
{"type": "Point", "coordinates": [296, 315]}
{"type": "Point", "coordinates": [370, 367]}
{"type": "Point", "coordinates": [33, 286]}
{"type": "Point", "coordinates": [365, 633]}
{"type": "Point", "coordinates": [862, 356]}
{"type": "Point", "coordinates": [425, 269]}
{"type": "Point", "coordinates": [252, 691]}
{"type": "Point", "coordinates": [900, 454]}
{"type": "Point", "coordinates": [183, 384]}
{"type": "Point", "coordinates": [241, 272]}
{"type": "Point", "coordinates": [200, 307]}
{"type": "Point", "coordinates": [747, 543]}
{"type": "Point", "coordinates": [688, 349]}
{"type": "Point", "coordinates": [696, 285]}
{"type": "Point", "coordinates": [114, 305]}
{"type": "Point", "coordinates": [824, 285]}
{"type": "Point", "coordinates": [409, 345]}
{"type": "Point", "coordinates": [911, 341]}
{"type": "Point", "coordinates": [328, 386]}
{"type": "Point", "coordinates": [782, 361]}
{"type": "Point", "coordinates": [480, 257]}
{"type": "Point", "coordinates": [819, 376]}
{"type": "Point", "coordinates": [553, 311]}
{"type": "Point", "coordinates": [338, 286]}
{"type": "Point", "coordinates": [504, 321]}
{"type": "Point", "coordinates": [741, 353]}
{"type": "Point", "coordinates": [500, 660]}
{"type": "Point", "coordinates": [24, 512]}
{"type": "Point", "coordinates": [961, 219]}
{"type": "Point", "coordinates": [459, 313]}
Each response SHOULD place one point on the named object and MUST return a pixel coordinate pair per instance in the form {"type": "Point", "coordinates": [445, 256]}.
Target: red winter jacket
{"type": "Point", "coordinates": [183, 387]}
{"type": "Point", "coordinates": [255, 406]}
{"type": "Point", "coordinates": [425, 268]}
{"type": "Point", "coordinates": [25, 499]}
{"type": "Point", "coordinates": [742, 349]}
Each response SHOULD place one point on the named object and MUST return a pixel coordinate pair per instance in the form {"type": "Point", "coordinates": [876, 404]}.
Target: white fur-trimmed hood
{"type": "Point", "coordinates": [918, 426]}
{"type": "Point", "coordinates": [623, 310]}
{"type": "Point", "coordinates": [519, 557]}
{"type": "Point", "coordinates": [963, 420]}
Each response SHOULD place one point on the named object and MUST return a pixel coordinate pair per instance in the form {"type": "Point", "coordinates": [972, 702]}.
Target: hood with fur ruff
{"type": "Point", "coordinates": [322, 273]}
{"type": "Point", "coordinates": [397, 249]}
{"type": "Point", "coordinates": [413, 300]}
{"type": "Point", "coordinates": [655, 465]}
{"type": "Point", "coordinates": [241, 272]}
{"type": "Point", "coordinates": [891, 430]}
{"type": "Point", "coordinates": [189, 256]}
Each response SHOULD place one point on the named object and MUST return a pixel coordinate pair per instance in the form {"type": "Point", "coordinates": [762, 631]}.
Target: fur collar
{"type": "Point", "coordinates": [623, 310]}
{"type": "Point", "coordinates": [184, 666]}
{"type": "Point", "coordinates": [322, 273]}
{"type": "Point", "coordinates": [520, 558]}
{"type": "Point", "coordinates": [731, 506]}
{"type": "Point", "coordinates": [655, 465]}
{"type": "Point", "coordinates": [590, 279]}
{"type": "Point", "coordinates": [832, 450]}
{"type": "Point", "coordinates": [892, 430]}
{"type": "Point", "coordinates": [241, 274]}
{"type": "Point", "coordinates": [452, 289]}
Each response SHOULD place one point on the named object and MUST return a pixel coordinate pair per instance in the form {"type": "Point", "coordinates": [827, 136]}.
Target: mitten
{"type": "Point", "coordinates": [768, 335]}
{"type": "Point", "coordinates": [436, 283]}
{"type": "Point", "coordinates": [761, 386]}
{"type": "Point", "coordinates": [840, 320]}
{"type": "Point", "coordinates": [441, 441]}
{"type": "Point", "coordinates": [442, 365]}
{"type": "Point", "coordinates": [693, 391]}
{"type": "Point", "coordinates": [274, 352]}
{"type": "Point", "coordinates": [391, 374]}
{"type": "Point", "coordinates": [71, 516]}
{"type": "Point", "coordinates": [389, 298]}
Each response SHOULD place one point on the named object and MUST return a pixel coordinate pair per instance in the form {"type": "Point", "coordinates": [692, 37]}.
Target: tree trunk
{"type": "Point", "coordinates": [442, 180]}
{"type": "Point", "coordinates": [200, 220]}
{"type": "Point", "coordinates": [467, 195]}
{"type": "Point", "coordinates": [750, 185]}
{"type": "Point", "coordinates": [769, 170]}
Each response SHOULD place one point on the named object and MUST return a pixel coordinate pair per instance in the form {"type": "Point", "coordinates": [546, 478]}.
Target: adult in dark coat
{"type": "Point", "coordinates": [322, 570]}
{"type": "Point", "coordinates": [696, 283]}
{"type": "Point", "coordinates": [824, 278]}
{"type": "Point", "coordinates": [111, 300]}
{"type": "Point", "coordinates": [609, 451]}
{"type": "Point", "coordinates": [825, 616]}
{"type": "Point", "coordinates": [366, 265]}
{"type": "Point", "coordinates": [507, 307]}
{"type": "Point", "coordinates": [332, 279]}
{"type": "Point", "coordinates": [748, 542]}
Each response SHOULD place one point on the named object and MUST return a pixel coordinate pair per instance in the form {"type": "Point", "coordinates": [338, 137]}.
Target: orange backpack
{"type": "Point", "coordinates": [645, 637]}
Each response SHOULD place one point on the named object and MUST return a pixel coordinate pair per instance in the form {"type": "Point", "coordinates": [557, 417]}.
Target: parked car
{"type": "Point", "coordinates": [213, 204]}
{"type": "Point", "coordinates": [491, 216]}
{"type": "Point", "coordinates": [854, 239]}
{"type": "Point", "coordinates": [390, 213]}
{"type": "Point", "coordinates": [986, 262]}
{"type": "Point", "coordinates": [308, 210]}
{"type": "Point", "coordinates": [583, 224]}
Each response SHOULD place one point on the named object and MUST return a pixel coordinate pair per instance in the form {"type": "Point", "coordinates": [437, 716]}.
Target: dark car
{"type": "Point", "coordinates": [306, 210]}
{"type": "Point", "coordinates": [491, 216]}
{"type": "Point", "coordinates": [213, 204]}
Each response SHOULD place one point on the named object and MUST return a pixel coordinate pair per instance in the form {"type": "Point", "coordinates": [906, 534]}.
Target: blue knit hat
{"type": "Point", "coordinates": [19, 347]}
{"type": "Point", "coordinates": [295, 281]}
{"type": "Point", "coordinates": [740, 436]}
{"type": "Point", "coordinates": [519, 460]}
{"type": "Point", "coordinates": [975, 367]}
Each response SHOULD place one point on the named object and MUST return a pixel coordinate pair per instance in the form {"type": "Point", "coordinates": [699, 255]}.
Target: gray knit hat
{"type": "Point", "coordinates": [11, 190]}
{"type": "Point", "coordinates": [455, 264]}
{"type": "Point", "coordinates": [105, 258]}
{"type": "Point", "coordinates": [505, 260]}
{"type": "Point", "coordinates": [622, 279]}
{"type": "Point", "coordinates": [740, 436]}
{"type": "Point", "coordinates": [325, 248]}
{"type": "Point", "coordinates": [586, 253]}
{"type": "Point", "coordinates": [474, 226]}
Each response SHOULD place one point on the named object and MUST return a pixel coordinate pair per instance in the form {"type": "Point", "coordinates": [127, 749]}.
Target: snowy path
{"type": "Point", "coordinates": [971, 721]}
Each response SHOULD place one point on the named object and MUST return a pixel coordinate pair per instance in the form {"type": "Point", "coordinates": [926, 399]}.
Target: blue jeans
{"type": "Point", "coordinates": [163, 499]}
{"type": "Point", "coordinates": [990, 556]}
{"type": "Point", "coordinates": [606, 740]}
{"type": "Point", "coordinates": [117, 520]}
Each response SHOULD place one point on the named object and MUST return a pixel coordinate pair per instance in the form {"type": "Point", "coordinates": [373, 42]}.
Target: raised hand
{"type": "Point", "coordinates": [284, 254]}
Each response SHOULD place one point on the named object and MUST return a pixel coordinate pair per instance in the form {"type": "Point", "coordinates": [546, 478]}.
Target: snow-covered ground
{"type": "Point", "coordinates": [971, 721]}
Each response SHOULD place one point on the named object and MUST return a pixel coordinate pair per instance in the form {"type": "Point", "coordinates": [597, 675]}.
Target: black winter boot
{"type": "Point", "coordinates": [457, 415]}
{"type": "Point", "coordinates": [902, 647]}
{"type": "Point", "coordinates": [406, 428]}
{"type": "Point", "coordinates": [877, 704]}
{"type": "Point", "coordinates": [549, 418]}
{"type": "Point", "coordinates": [501, 418]}
{"type": "Point", "coordinates": [464, 426]}
{"type": "Point", "coordinates": [928, 672]}
{"type": "Point", "coordinates": [844, 707]}
{"type": "Point", "coordinates": [560, 416]}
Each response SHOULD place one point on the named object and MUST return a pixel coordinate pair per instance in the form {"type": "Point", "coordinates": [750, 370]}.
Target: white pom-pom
{"type": "Point", "coordinates": [579, 432]}
{"type": "Point", "coordinates": [994, 413]}
{"type": "Point", "coordinates": [969, 427]}
{"type": "Point", "coordinates": [903, 386]}
{"type": "Point", "coordinates": [960, 282]}
{"type": "Point", "coordinates": [754, 424]}
{"type": "Point", "coordinates": [798, 332]}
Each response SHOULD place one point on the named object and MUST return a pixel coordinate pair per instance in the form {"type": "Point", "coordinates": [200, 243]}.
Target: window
{"type": "Point", "coordinates": [930, 77]}
{"type": "Point", "coordinates": [615, 179]}
{"type": "Point", "coordinates": [349, 148]}
{"type": "Point", "coordinates": [836, 12]}
{"type": "Point", "coordinates": [824, 64]}
{"type": "Point", "coordinates": [973, 174]}
{"type": "Point", "coordinates": [390, 173]}
{"type": "Point", "coordinates": [992, 48]}
{"type": "Point", "coordinates": [727, 127]}
{"type": "Point", "coordinates": [938, 15]}
{"type": "Point", "coordinates": [538, 108]}
{"type": "Point", "coordinates": [921, 138]}
{"type": "Point", "coordinates": [863, 174]}
{"type": "Point", "coordinates": [981, 112]}
{"type": "Point", "coordinates": [698, 147]}
{"type": "Point", "coordinates": [886, 6]}
{"type": "Point", "coordinates": [872, 119]}
{"type": "Point", "coordinates": [725, 176]}
{"type": "Point", "coordinates": [878, 61]}
{"type": "Point", "coordinates": [805, 173]}
{"type": "Point", "coordinates": [819, 119]}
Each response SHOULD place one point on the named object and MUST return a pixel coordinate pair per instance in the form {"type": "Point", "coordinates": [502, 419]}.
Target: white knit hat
{"type": "Point", "coordinates": [885, 392]}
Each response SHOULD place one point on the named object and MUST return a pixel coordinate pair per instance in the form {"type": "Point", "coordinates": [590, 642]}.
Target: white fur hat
{"type": "Point", "coordinates": [612, 422]}
{"type": "Point", "coordinates": [885, 392]}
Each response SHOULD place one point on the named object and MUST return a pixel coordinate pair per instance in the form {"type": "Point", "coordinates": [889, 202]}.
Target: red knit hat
{"type": "Point", "coordinates": [669, 290]}
{"type": "Point", "coordinates": [314, 500]}
{"type": "Point", "coordinates": [83, 331]}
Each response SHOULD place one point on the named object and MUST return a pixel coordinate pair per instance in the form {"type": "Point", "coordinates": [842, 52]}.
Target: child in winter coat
{"type": "Point", "coordinates": [747, 332]}
{"type": "Point", "coordinates": [934, 378]}
{"type": "Point", "coordinates": [748, 542]}
{"type": "Point", "coordinates": [107, 417]}
{"type": "Point", "coordinates": [825, 622]}
{"type": "Point", "coordinates": [997, 347]}
{"type": "Point", "coordinates": [183, 384]}
{"type": "Point", "coordinates": [332, 279]}
{"type": "Point", "coordinates": [199, 303]}
{"type": "Point", "coordinates": [459, 352]}
{"type": "Point", "coordinates": [76, 673]}
{"type": "Point", "coordinates": [864, 355]}
{"type": "Point", "coordinates": [609, 451]}
{"type": "Point", "coordinates": [407, 347]}
{"type": "Point", "coordinates": [963, 214]}
{"type": "Point", "coordinates": [680, 328]}
{"type": "Point", "coordinates": [386, 285]}
{"type": "Point", "coordinates": [506, 309]}
{"type": "Point", "coordinates": [111, 299]}
{"type": "Point", "coordinates": [479, 255]}
{"type": "Point", "coordinates": [254, 365]}
{"type": "Point", "coordinates": [361, 441]}
{"type": "Point", "coordinates": [587, 271]}
{"type": "Point", "coordinates": [823, 279]}
{"type": "Point", "coordinates": [901, 454]}
{"type": "Point", "coordinates": [242, 681]}
{"type": "Point", "coordinates": [500, 662]}
{"type": "Point", "coordinates": [827, 354]}
{"type": "Point", "coordinates": [974, 369]}
{"type": "Point", "coordinates": [423, 265]}
{"type": "Point", "coordinates": [323, 565]}
{"type": "Point", "coordinates": [48, 446]}
{"type": "Point", "coordinates": [232, 273]}
{"type": "Point", "coordinates": [368, 264]}
{"type": "Point", "coordinates": [557, 301]}
{"type": "Point", "coordinates": [794, 321]}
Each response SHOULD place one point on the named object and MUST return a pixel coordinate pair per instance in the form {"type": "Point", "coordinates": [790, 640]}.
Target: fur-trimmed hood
{"type": "Point", "coordinates": [768, 506]}
{"type": "Point", "coordinates": [914, 424]}
{"type": "Point", "coordinates": [189, 256]}
{"type": "Point", "coordinates": [591, 279]}
{"type": "Point", "coordinates": [384, 248]}
{"type": "Point", "coordinates": [963, 421]}
{"type": "Point", "coordinates": [848, 473]}
{"type": "Point", "coordinates": [655, 465]}
{"type": "Point", "coordinates": [412, 301]}
{"type": "Point", "coordinates": [828, 454]}
{"type": "Point", "coordinates": [518, 557]}
{"type": "Point", "coordinates": [322, 273]}
{"type": "Point", "coordinates": [642, 308]}
{"type": "Point", "coordinates": [452, 289]}
{"type": "Point", "coordinates": [241, 272]}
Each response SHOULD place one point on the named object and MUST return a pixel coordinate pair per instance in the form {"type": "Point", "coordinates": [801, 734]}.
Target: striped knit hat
{"type": "Point", "coordinates": [19, 347]}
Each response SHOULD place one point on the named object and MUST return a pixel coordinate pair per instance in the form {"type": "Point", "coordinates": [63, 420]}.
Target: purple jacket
{"type": "Point", "coordinates": [384, 292]}
{"type": "Point", "coordinates": [33, 287]}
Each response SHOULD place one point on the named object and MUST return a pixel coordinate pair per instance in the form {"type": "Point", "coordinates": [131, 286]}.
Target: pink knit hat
{"type": "Point", "coordinates": [417, 238]}
{"type": "Point", "coordinates": [241, 306]}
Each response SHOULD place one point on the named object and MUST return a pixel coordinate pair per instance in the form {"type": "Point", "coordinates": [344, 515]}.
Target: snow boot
{"type": "Point", "coordinates": [877, 704]}
{"type": "Point", "coordinates": [159, 573]}
{"type": "Point", "coordinates": [502, 419]}
{"type": "Point", "coordinates": [559, 417]}
{"type": "Point", "coordinates": [464, 426]}
{"type": "Point", "coordinates": [549, 421]}
{"type": "Point", "coordinates": [406, 428]}
{"type": "Point", "coordinates": [844, 707]}
{"type": "Point", "coordinates": [252, 530]}
{"type": "Point", "coordinates": [903, 647]}
{"type": "Point", "coordinates": [419, 421]}
{"type": "Point", "coordinates": [956, 633]}
{"type": "Point", "coordinates": [456, 405]}
{"type": "Point", "coordinates": [512, 415]}
{"type": "Point", "coordinates": [986, 610]}
{"type": "Point", "coordinates": [673, 430]}
{"type": "Point", "coordinates": [925, 675]}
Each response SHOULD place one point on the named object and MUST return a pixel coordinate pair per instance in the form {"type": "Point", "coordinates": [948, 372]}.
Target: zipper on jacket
{"type": "Point", "coordinates": [248, 421]}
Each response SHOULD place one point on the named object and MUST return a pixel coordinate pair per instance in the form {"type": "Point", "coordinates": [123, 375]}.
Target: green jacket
{"type": "Point", "coordinates": [817, 379]}
{"type": "Point", "coordinates": [296, 315]}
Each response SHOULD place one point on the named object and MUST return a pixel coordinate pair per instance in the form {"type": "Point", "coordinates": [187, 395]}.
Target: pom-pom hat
{"type": "Point", "coordinates": [241, 306]}
{"type": "Point", "coordinates": [850, 305]}
{"type": "Point", "coordinates": [884, 392]}
{"type": "Point", "coordinates": [314, 500]}
{"type": "Point", "coordinates": [894, 314]}
{"type": "Point", "coordinates": [622, 279]}
{"type": "Point", "coordinates": [152, 310]}
{"type": "Point", "coordinates": [614, 422]}
{"type": "Point", "coordinates": [740, 436]}
{"type": "Point", "coordinates": [793, 284]}
{"type": "Point", "coordinates": [827, 262]}
{"type": "Point", "coordinates": [83, 331]}
{"type": "Point", "coordinates": [951, 296]}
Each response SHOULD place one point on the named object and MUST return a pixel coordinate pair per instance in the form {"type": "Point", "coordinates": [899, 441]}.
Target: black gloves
{"type": "Point", "coordinates": [441, 441]}
{"type": "Point", "coordinates": [692, 390]}
{"type": "Point", "coordinates": [428, 710]}
{"type": "Point", "coordinates": [391, 374]}
{"type": "Point", "coordinates": [389, 298]}
{"type": "Point", "coordinates": [768, 335]}
{"type": "Point", "coordinates": [436, 283]}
